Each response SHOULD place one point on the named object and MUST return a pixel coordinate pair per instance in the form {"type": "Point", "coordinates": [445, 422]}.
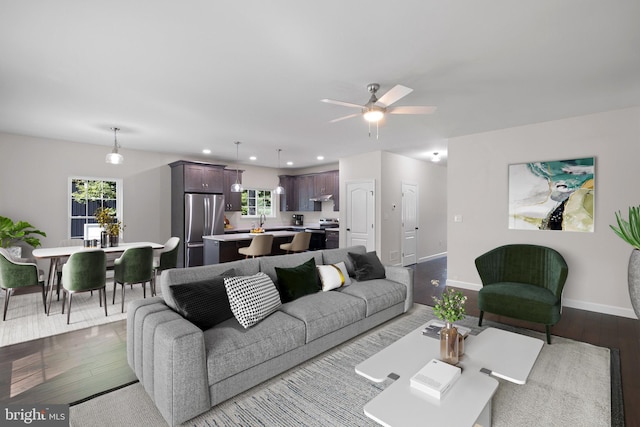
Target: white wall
{"type": "Point", "coordinates": [478, 190]}
{"type": "Point", "coordinates": [389, 171]}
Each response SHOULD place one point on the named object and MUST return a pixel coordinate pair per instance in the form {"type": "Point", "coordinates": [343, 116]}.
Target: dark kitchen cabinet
{"type": "Point", "coordinates": [232, 201]}
{"type": "Point", "coordinates": [332, 238]}
{"type": "Point", "coordinates": [300, 189]}
{"type": "Point", "coordinates": [289, 200]}
{"type": "Point", "coordinates": [306, 190]}
{"type": "Point", "coordinates": [202, 178]}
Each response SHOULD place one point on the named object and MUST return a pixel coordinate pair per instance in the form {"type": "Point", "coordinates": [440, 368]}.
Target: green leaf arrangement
{"type": "Point", "coordinates": [629, 231]}
{"type": "Point", "coordinates": [450, 307]}
{"type": "Point", "coordinates": [11, 232]}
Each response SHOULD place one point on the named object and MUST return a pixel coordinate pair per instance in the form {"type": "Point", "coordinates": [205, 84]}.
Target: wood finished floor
{"type": "Point", "coordinates": [69, 367]}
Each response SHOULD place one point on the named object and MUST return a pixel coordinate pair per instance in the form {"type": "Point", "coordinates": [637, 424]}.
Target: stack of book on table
{"type": "Point", "coordinates": [436, 378]}
{"type": "Point", "coordinates": [432, 329]}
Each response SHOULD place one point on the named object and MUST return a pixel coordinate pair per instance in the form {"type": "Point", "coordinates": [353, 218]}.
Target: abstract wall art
{"type": "Point", "coordinates": [555, 195]}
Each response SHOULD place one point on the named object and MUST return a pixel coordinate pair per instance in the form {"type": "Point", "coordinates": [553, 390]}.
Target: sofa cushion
{"type": "Point", "coordinates": [333, 276]}
{"type": "Point", "coordinates": [204, 303]}
{"type": "Point", "coordinates": [334, 256]}
{"type": "Point", "coordinates": [178, 276]}
{"type": "Point", "coordinates": [268, 264]}
{"type": "Point", "coordinates": [232, 349]}
{"type": "Point", "coordinates": [296, 282]}
{"type": "Point", "coordinates": [325, 312]}
{"type": "Point", "coordinates": [252, 298]}
{"type": "Point", "coordinates": [367, 266]}
{"type": "Point", "coordinates": [378, 294]}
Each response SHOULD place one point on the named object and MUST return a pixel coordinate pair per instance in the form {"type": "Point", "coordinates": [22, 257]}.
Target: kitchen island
{"type": "Point", "coordinates": [224, 247]}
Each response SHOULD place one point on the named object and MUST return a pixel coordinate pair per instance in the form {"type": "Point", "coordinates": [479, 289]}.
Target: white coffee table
{"type": "Point", "coordinates": [492, 352]}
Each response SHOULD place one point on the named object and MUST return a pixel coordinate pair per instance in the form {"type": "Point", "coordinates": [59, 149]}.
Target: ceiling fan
{"type": "Point", "coordinates": [374, 110]}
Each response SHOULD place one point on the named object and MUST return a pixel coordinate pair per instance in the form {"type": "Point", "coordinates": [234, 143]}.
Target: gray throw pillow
{"type": "Point", "coordinates": [367, 266]}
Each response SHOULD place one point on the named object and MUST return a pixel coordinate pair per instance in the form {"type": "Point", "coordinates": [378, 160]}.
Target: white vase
{"type": "Point", "coordinates": [634, 281]}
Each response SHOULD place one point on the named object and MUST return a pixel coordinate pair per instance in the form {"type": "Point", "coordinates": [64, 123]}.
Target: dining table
{"type": "Point", "coordinates": [56, 254]}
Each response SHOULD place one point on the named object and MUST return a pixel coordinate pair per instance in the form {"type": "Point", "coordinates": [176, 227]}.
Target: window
{"type": "Point", "coordinates": [88, 194]}
{"type": "Point", "coordinates": [256, 203]}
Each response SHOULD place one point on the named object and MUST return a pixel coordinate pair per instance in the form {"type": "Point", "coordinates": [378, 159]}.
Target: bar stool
{"type": "Point", "coordinates": [300, 243]}
{"type": "Point", "coordinates": [260, 245]}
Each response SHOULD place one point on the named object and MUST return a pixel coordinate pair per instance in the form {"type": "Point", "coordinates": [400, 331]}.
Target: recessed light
{"type": "Point", "coordinates": [253, 158]}
{"type": "Point", "coordinates": [289, 163]}
{"type": "Point", "coordinates": [320, 157]}
{"type": "Point", "coordinates": [206, 151]}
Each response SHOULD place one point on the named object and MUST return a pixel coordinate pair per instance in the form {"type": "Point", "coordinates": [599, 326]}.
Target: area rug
{"type": "Point", "coordinates": [570, 384]}
{"type": "Point", "coordinates": [27, 321]}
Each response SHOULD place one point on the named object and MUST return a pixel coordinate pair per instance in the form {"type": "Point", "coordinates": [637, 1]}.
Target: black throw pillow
{"type": "Point", "coordinates": [367, 266]}
{"type": "Point", "coordinates": [297, 281]}
{"type": "Point", "coordinates": [204, 303]}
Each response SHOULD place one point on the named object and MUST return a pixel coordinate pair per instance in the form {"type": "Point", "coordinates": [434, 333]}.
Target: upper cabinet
{"type": "Point", "coordinates": [300, 189]}
{"type": "Point", "coordinates": [193, 177]}
{"type": "Point", "coordinates": [232, 201]}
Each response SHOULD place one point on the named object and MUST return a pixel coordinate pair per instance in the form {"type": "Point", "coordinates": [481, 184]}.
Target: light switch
{"type": "Point", "coordinates": [457, 218]}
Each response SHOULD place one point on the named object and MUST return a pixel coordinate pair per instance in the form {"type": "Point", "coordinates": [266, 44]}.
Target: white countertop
{"type": "Point", "coordinates": [232, 237]}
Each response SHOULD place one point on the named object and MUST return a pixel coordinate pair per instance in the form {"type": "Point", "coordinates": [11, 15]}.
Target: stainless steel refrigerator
{"type": "Point", "coordinates": [203, 216]}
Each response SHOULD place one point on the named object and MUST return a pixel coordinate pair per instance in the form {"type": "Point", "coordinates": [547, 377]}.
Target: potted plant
{"type": "Point", "coordinates": [113, 230]}
{"type": "Point", "coordinates": [450, 309]}
{"type": "Point", "coordinates": [629, 231]}
{"type": "Point", "coordinates": [20, 231]}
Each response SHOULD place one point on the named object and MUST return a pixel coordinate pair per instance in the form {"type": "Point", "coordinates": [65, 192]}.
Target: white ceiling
{"type": "Point", "coordinates": [181, 76]}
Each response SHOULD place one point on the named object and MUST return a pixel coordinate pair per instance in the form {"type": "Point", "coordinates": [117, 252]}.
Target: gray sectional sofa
{"type": "Point", "coordinates": [186, 370]}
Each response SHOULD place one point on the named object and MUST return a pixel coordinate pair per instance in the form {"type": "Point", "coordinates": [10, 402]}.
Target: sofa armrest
{"type": "Point", "coordinates": [402, 275]}
{"type": "Point", "coordinates": [167, 354]}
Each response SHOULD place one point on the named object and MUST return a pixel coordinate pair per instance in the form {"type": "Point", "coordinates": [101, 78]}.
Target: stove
{"type": "Point", "coordinates": [318, 235]}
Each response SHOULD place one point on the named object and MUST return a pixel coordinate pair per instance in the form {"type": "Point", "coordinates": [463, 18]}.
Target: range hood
{"type": "Point", "coordinates": [322, 198]}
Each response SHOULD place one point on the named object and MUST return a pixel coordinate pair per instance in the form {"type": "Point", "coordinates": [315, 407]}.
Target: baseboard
{"type": "Point", "coordinates": [463, 285]}
{"type": "Point", "coordinates": [599, 308]}
{"type": "Point", "coordinates": [432, 257]}
{"type": "Point", "coordinates": [566, 302]}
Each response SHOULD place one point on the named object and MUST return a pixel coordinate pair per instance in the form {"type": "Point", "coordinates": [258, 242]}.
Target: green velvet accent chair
{"type": "Point", "coordinates": [168, 258]}
{"type": "Point", "coordinates": [83, 272]}
{"type": "Point", "coordinates": [15, 274]}
{"type": "Point", "coordinates": [134, 266]}
{"type": "Point", "coordinates": [523, 282]}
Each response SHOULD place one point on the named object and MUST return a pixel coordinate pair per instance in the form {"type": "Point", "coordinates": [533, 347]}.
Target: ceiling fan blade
{"type": "Point", "coordinates": [411, 110]}
{"type": "Point", "coordinates": [345, 117]}
{"type": "Point", "coordinates": [397, 92]}
{"type": "Point", "coordinates": [345, 104]}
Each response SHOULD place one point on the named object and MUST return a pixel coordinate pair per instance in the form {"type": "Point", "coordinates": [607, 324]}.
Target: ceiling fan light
{"type": "Point", "coordinates": [373, 115]}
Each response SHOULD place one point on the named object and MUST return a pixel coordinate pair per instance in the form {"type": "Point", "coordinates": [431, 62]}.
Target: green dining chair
{"type": "Point", "coordinates": [134, 266]}
{"type": "Point", "coordinates": [15, 274]}
{"type": "Point", "coordinates": [83, 272]}
{"type": "Point", "coordinates": [167, 259]}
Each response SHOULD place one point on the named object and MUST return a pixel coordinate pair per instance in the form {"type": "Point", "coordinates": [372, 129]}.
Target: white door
{"type": "Point", "coordinates": [409, 223]}
{"type": "Point", "coordinates": [360, 214]}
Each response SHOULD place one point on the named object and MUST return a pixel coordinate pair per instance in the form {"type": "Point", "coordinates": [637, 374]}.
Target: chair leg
{"type": "Point", "coordinates": [114, 292]}
{"type": "Point", "coordinates": [44, 299]}
{"type": "Point", "coordinates": [64, 300]}
{"type": "Point", "coordinates": [69, 312]}
{"type": "Point", "coordinates": [7, 295]}
{"type": "Point", "coordinates": [480, 318]}
{"type": "Point", "coordinates": [104, 294]}
{"type": "Point", "coordinates": [123, 286]}
{"type": "Point", "coordinates": [548, 330]}
{"type": "Point", "coordinates": [144, 289]}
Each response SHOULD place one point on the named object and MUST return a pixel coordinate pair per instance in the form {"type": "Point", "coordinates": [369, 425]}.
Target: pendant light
{"type": "Point", "coordinates": [114, 157]}
{"type": "Point", "coordinates": [236, 187]}
{"type": "Point", "coordinates": [279, 189]}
